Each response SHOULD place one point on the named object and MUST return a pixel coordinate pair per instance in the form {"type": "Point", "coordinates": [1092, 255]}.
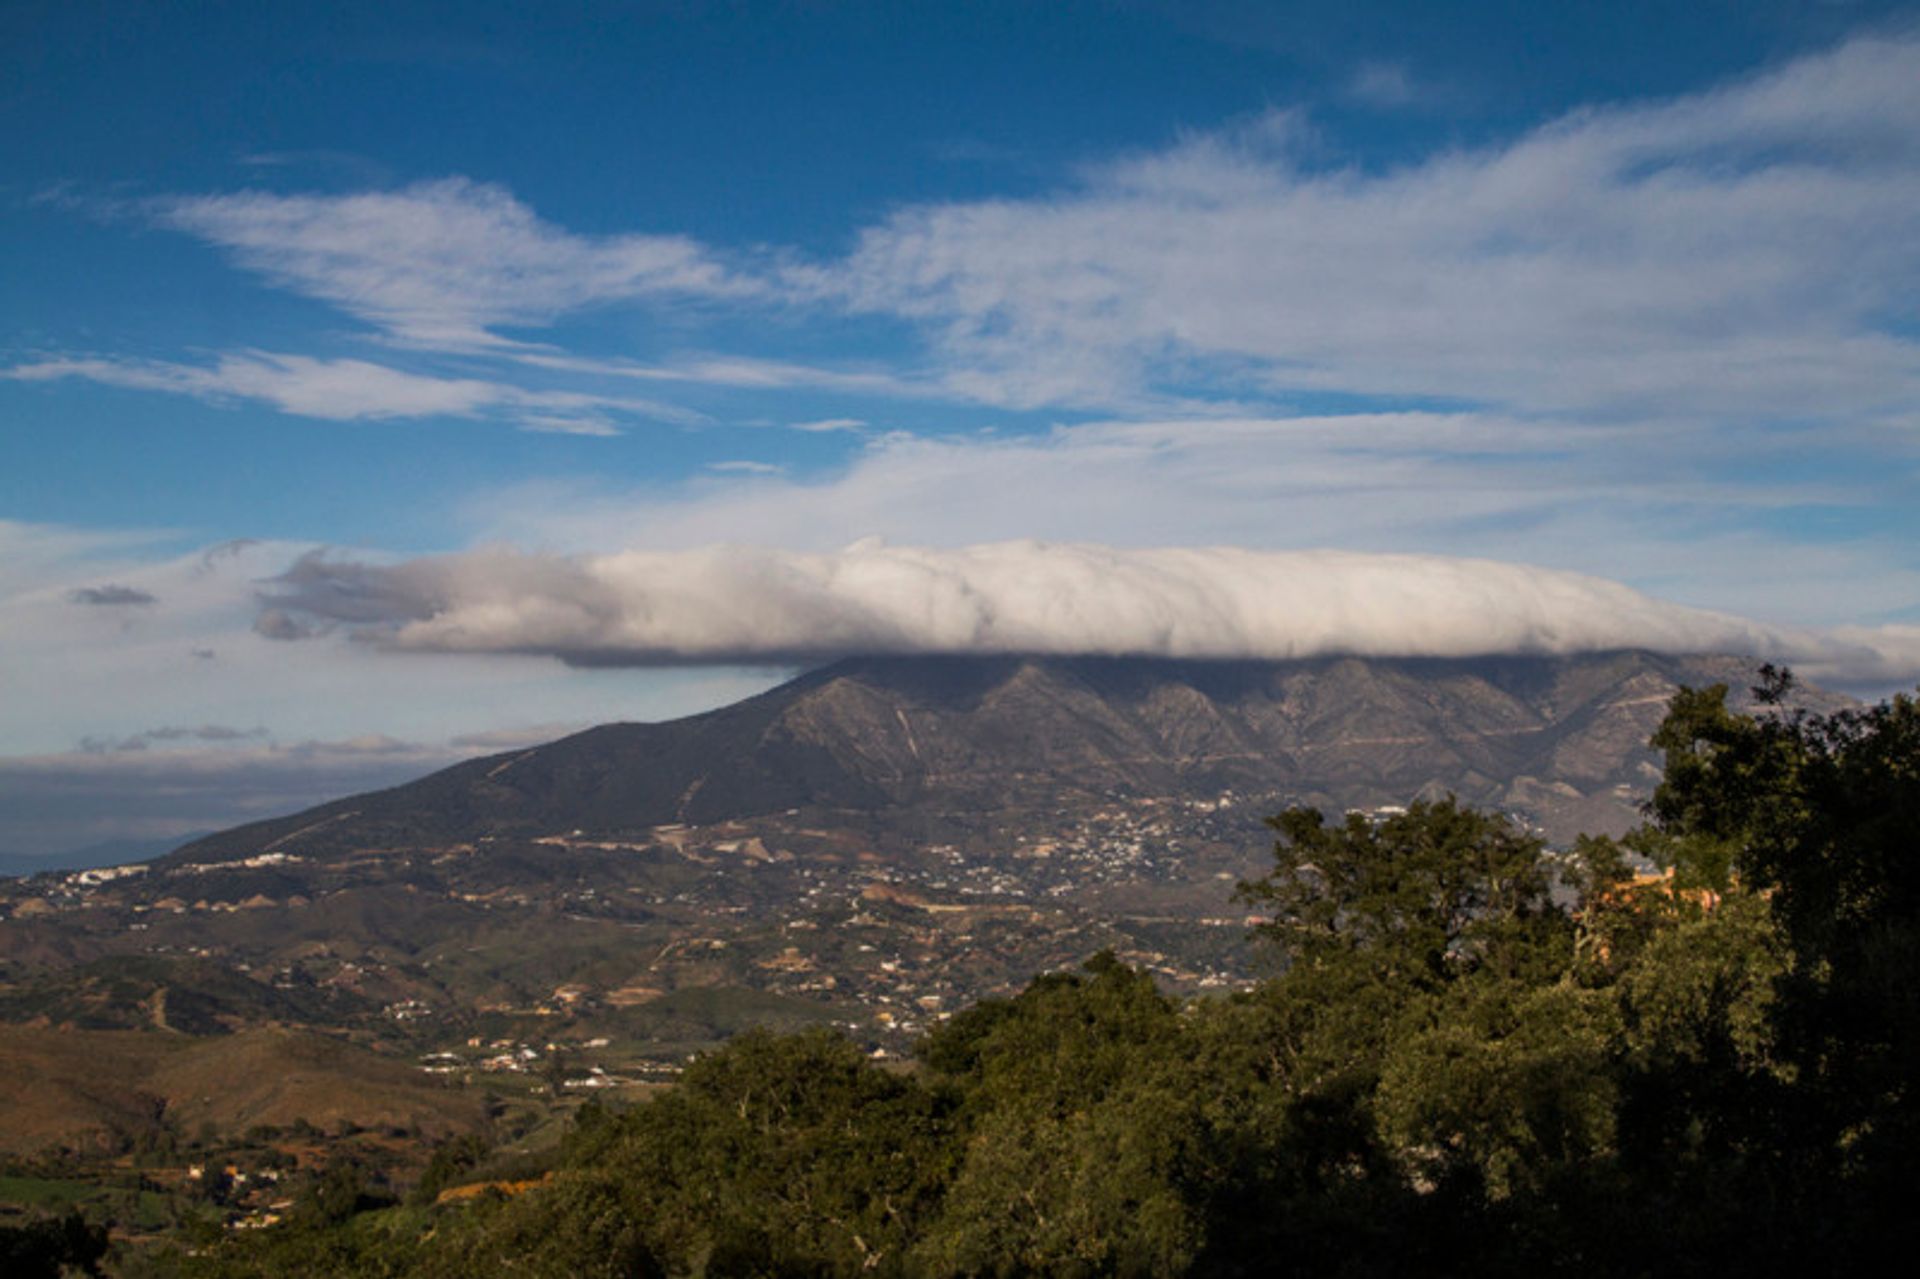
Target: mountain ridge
{"type": "Point", "coordinates": [868, 734]}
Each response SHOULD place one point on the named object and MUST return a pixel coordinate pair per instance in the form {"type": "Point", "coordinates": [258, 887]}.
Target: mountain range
{"type": "Point", "coordinates": [870, 845]}
{"type": "Point", "coordinates": [1559, 742]}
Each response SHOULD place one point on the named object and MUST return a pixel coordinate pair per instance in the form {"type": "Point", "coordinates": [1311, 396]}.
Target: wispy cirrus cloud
{"type": "Point", "coordinates": [340, 390]}
{"type": "Point", "coordinates": [445, 264]}
{"type": "Point", "coordinates": [168, 734]}
{"type": "Point", "coordinates": [1750, 251]}
{"type": "Point", "coordinates": [735, 371]}
{"type": "Point", "coordinates": [344, 390]}
{"type": "Point", "coordinates": [824, 425]}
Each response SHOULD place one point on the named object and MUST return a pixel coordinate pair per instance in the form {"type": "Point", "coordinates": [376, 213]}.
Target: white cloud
{"type": "Point", "coordinates": [73, 674]}
{"type": "Point", "coordinates": [85, 687]}
{"type": "Point", "coordinates": [546, 424]}
{"type": "Point", "coordinates": [1752, 251]}
{"type": "Point", "coordinates": [745, 466]}
{"type": "Point", "coordinates": [735, 371]}
{"type": "Point", "coordinates": [444, 263]}
{"type": "Point", "coordinates": [353, 390]}
{"type": "Point", "coordinates": [733, 604]}
{"type": "Point", "coordinates": [175, 717]}
{"type": "Point", "coordinates": [341, 390]}
{"type": "Point", "coordinates": [1741, 254]}
{"type": "Point", "coordinates": [826, 424]}
{"type": "Point", "coordinates": [1656, 510]}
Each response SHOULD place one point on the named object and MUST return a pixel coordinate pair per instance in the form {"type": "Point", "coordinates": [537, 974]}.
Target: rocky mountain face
{"type": "Point", "coordinates": [1559, 742]}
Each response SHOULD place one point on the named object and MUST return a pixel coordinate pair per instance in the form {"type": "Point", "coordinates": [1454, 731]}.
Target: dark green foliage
{"type": "Point", "coordinates": [51, 1247]}
{"type": "Point", "coordinates": [581, 1226]}
{"type": "Point", "coordinates": [1821, 814]}
{"type": "Point", "coordinates": [450, 1159]}
{"type": "Point", "coordinates": [1420, 897]}
{"type": "Point", "coordinates": [1508, 1087]}
{"type": "Point", "coordinates": [1089, 1148]}
{"type": "Point", "coordinates": [779, 1155]}
{"type": "Point", "coordinates": [344, 1189]}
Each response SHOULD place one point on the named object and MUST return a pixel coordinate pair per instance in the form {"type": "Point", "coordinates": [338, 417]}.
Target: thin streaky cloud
{"type": "Point", "coordinates": [338, 390]}
{"type": "Point", "coordinates": [353, 390]}
{"type": "Point", "coordinates": [444, 263]}
{"type": "Point", "coordinates": [828, 424]}
{"type": "Point", "coordinates": [112, 596]}
{"type": "Point", "coordinates": [1745, 252]}
{"type": "Point", "coordinates": [746, 466]}
{"type": "Point", "coordinates": [549, 424]}
{"type": "Point", "coordinates": [169, 735]}
{"type": "Point", "coordinates": [741, 372]}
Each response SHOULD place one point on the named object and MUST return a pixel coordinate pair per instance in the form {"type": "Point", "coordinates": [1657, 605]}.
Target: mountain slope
{"type": "Point", "coordinates": [1551, 738]}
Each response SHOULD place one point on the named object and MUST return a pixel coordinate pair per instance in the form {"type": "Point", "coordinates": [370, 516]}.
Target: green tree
{"type": "Point", "coordinates": [1820, 814]}
{"type": "Point", "coordinates": [787, 1155]}
{"type": "Point", "coordinates": [451, 1159]}
{"type": "Point", "coordinates": [1420, 897]}
{"type": "Point", "coordinates": [1090, 1149]}
{"type": "Point", "coordinates": [1509, 1086]}
{"type": "Point", "coordinates": [581, 1226]}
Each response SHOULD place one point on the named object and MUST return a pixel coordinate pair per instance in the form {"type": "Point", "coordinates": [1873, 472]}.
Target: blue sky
{"type": "Point", "coordinates": [494, 317]}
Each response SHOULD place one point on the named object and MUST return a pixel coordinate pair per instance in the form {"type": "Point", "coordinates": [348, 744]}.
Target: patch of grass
{"type": "Point", "coordinates": [143, 1210]}
{"type": "Point", "coordinates": [44, 1192]}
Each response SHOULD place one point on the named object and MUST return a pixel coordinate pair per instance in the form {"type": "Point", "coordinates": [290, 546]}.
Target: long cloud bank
{"type": "Point", "coordinates": [733, 604]}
